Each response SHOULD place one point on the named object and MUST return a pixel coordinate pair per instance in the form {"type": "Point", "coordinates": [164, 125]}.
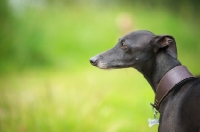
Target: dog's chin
{"type": "Point", "coordinates": [105, 67]}
{"type": "Point", "coordinates": [110, 67]}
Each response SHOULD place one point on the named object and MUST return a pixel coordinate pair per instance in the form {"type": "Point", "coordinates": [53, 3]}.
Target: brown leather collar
{"type": "Point", "coordinates": [172, 78]}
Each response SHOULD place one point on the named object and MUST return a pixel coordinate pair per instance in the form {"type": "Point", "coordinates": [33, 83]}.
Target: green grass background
{"type": "Point", "coordinates": [50, 86]}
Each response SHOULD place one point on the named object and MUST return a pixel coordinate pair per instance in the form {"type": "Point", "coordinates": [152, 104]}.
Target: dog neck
{"type": "Point", "coordinates": [166, 73]}
{"type": "Point", "coordinates": [157, 67]}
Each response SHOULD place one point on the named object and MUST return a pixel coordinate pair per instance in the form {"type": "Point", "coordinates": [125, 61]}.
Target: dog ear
{"type": "Point", "coordinates": [165, 41]}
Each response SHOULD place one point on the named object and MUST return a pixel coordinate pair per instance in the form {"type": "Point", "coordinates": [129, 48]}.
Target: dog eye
{"type": "Point", "coordinates": [123, 45]}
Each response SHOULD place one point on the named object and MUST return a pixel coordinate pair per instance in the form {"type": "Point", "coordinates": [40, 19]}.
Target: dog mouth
{"type": "Point", "coordinates": [95, 61]}
{"type": "Point", "coordinates": [103, 66]}
{"type": "Point", "coordinates": [109, 66]}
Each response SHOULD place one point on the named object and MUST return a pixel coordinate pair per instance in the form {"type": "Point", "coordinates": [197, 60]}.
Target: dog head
{"type": "Point", "coordinates": [135, 50]}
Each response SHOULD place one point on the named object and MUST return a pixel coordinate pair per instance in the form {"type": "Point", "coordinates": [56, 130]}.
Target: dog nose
{"type": "Point", "coordinates": [94, 61]}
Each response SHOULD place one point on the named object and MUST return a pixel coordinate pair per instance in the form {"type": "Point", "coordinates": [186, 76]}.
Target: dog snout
{"type": "Point", "coordinates": [94, 60]}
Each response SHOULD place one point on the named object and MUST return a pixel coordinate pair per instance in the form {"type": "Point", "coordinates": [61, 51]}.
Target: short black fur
{"type": "Point", "coordinates": [154, 56]}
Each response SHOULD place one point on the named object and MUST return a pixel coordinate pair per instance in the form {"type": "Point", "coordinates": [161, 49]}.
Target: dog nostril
{"type": "Point", "coordinates": [93, 61]}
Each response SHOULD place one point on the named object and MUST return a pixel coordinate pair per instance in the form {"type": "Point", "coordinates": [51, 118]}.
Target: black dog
{"type": "Point", "coordinates": [177, 92]}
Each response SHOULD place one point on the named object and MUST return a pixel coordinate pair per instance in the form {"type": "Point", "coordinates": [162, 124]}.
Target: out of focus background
{"type": "Point", "coordinates": [46, 81]}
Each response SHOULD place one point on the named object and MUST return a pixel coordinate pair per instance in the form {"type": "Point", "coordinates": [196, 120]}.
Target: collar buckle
{"type": "Point", "coordinates": [154, 109]}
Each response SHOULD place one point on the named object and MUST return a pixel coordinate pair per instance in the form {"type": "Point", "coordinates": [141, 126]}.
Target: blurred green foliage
{"type": "Point", "coordinates": [64, 33]}
{"type": "Point", "coordinates": [47, 83]}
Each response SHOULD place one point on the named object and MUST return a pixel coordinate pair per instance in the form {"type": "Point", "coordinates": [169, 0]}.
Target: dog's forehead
{"type": "Point", "coordinates": [141, 37]}
{"type": "Point", "coordinates": [137, 35]}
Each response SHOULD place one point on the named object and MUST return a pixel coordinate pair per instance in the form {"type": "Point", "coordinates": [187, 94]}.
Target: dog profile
{"type": "Point", "coordinates": [177, 91]}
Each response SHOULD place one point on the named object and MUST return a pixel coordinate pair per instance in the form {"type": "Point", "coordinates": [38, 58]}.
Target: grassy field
{"type": "Point", "coordinates": [71, 95]}
{"type": "Point", "coordinates": [89, 100]}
